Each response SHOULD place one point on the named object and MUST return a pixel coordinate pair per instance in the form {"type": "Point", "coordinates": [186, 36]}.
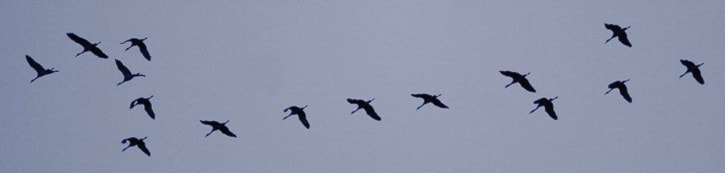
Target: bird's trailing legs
{"type": "Point", "coordinates": [683, 74]}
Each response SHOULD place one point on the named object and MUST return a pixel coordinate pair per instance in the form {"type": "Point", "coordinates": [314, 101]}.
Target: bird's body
{"type": "Point", "coordinates": [619, 32]}
{"type": "Point", "coordinates": [127, 75]}
{"type": "Point", "coordinates": [87, 46]}
{"type": "Point", "coordinates": [141, 46]}
{"type": "Point", "coordinates": [622, 89]}
{"type": "Point", "coordinates": [299, 111]}
{"type": "Point", "coordinates": [222, 127]}
{"type": "Point", "coordinates": [132, 141]}
{"type": "Point", "coordinates": [548, 106]}
{"type": "Point", "coordinates": [427, 98]}
{"type": "Point", "coordinates": [694, 69]}
{"type": "Point", "coordinates": [362, 104]}
{"type": "Point", "coordinates": [38, 68]}
{"type": "Point", "coordinates": [518, 78]}
{"type": "Point", "coordinates": [146, 104]}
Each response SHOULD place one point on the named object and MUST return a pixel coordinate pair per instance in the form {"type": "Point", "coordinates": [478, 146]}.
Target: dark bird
{"type": "Point", "coordinates": [300, 113]}
{"type": "Point", "coordinates": [141, 46]}
{"type": "Point", "coordinates": [362, 104]}
{"type": "Point", "coordinates": [218, 126]}
{"type": "Point", "coordinates": [127, 76]}
{"type": "Point", "coordinates": [618, 32]}
{"type": "Point", "coordinates": [691, 67]}
{"type": "Point", "coordinates": [87, 46]}
{"type": "Point", "coordinates": [548, 106]}
{"type": "Point", "coordinates": [146, 104]}
{"type": "Point", "coordinates": [39, 68]}
{"type": "Point", "coordinates": [622, 89]}
{"type": "Point", "coordinates": [132, 141]}
{"type": "Point", "coordinates": [427, 98]}
{"type": "Point", "coordinates": [518, 78]}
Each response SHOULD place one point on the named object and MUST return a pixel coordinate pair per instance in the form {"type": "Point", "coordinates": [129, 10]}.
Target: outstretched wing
{"type": "Point", "coordinates": [624, 40]}
{"type": "Point", "coordinates": [83, 42]}
{"type": "Point", "coordinates": [697, 75]}
{"type": "Point", "coordinates": [205, 122]}
{"type": "Point", "coordinates": [612, 27]}
{"type": "Point", "coordinates": [419, 95]}
{"type": "Point", "coordinates": [38, 68]}
{"type": "Point", "coordinates": [623, 91]}
{"type": "Point", "coordinates": [550, 110]}
{"type": "Point", "coordinates": [226, 131]}
{"type": "Point", "coordinates": [303, 119]}
{"type": "Point", "coordinates": [371, 112]}
{"type": "Point", "coordinates": [96, 51]}
{"type": "Point", "coordinates": [439, 103]}
{"type": "Point", "coordinates": [509, 73]}
{"type": "Point", "coordinates": [147, 107]}
{"type": "Point", "coordinates": [144, 51]}
{"type": "Point", "coordinates": [141, 145]}
{"type": "Point", "coordinates": [123, 68]}
{"type": "Point", "coordinates": [526, 85]}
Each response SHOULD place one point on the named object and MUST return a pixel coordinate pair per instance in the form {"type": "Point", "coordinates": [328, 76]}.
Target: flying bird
{"type": "Point", "coordinates": [618, 32]}
{"type": "Point", "coordinates": [362, 104]}
{"type": "Point", "coordinates": [141, 46]}
{"type": "Point", "coordinates": [691, 67]}
{"type": "Point", "coordinates": [87, 46]}
{"type": "Point", "coordinates": [146, 104]}
{"type": "Point", "coordinates": [39, 68]}
{"type": "Point", "coordinates": [548, 106]}
{"type": "Point", "coordinates": [622, 89]}
{"type": "Point", "coordinates": [222, 127]}
{"type": "Point", "coordinates": [127, 76]}
{"type": "Point", "coordinates": [132, 141]}
{"type": "Point", "coordinates": [518, 78]}
{"type": "Point", "coordinates": [427, 98]}
{"type": "Point", "coordinates": [300, 113]}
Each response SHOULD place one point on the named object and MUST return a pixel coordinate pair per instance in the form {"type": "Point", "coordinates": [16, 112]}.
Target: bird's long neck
{"type": "Point", "coordinates": [225, 122]}
{"type": "Point", "coordinates": [371, 100]}
{"type": "Point", "coordinates": [698, 65]}
{"type": "Point", "coordinates": [526, 74]}
{"type": "Point", "coordinates": [303, 107]}
{"type": "Point", "coordinates": [96, 44]}
{"type": "Point", "coordinates": [552, 99]}
{"type": "Point", "coordinates": [144, 138]}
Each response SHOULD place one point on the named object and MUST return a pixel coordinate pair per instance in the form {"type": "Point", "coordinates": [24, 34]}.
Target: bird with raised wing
{"type": "Point", "coordinates": [87, 46]}
{"type": "Point", "coordinates": [618, 32]}
{"type": "Point", "coordinates": [127, 75]}
{"type": "Point", "coordinates": [695, 69]}
{"type": "Point", "coordinates": [39, 68]}
{"type": "Point", "coordinates": [427, 98]}
{"type": "Point", "coordinates": [299, 111]}
{"type": "Point", "coordinates": [146, 104]}
{"type": "Point", "coordinates": [141, 46]}
{"type": "Point", "coordinates": [622, 89]}
{"type": "Point", "coordinates": [222, 127]}
{"type": "Point", "coordinates": [548, 106]}
{"type": "Point", "coordinates": [133, 141]}
{"type": "Point", "coordinates": [362, 104]}
{"type": "Point", "coordinates": [518, 78]}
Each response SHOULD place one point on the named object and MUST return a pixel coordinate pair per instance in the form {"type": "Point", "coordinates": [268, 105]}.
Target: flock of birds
{"type": "Point", "coordinates": [547, 103]}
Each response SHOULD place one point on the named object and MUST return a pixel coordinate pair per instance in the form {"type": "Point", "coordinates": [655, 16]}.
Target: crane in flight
{"type": "Point", "coordinates": [294, 110]}
{"type": "Point", "coordinates": [427, 98]}
{"type": "Point", "coordinates": [618, 32]}
{"type": "Point", "coordinates": [39, 68]}
{"type": "Point", "coordinates": [518, 78]}
{"type": "Point", "coordinates": [548, 106]}
{"type": "Point", "coordinates": [362, 104]}
{"type": "Point", "coordinates": [695, 69]}
{"type": "Point", "coordinates": [622, 89]}
{"type": "Point", "coordinates": [87, 46]}
{"type": "Point", "coordinates": [127, 76]}
{"type": "Point", "coordinates": [146, 104]}
{"type": "Point", "coordinates": [141, 46]}
{"type": "Point", "coordinates": [222, 127]}
{"type": "Point", "coordinates": [133, 141]}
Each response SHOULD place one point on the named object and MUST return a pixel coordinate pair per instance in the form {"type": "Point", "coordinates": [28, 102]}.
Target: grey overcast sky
{"type": "Point", "coordinates": [247, 61]}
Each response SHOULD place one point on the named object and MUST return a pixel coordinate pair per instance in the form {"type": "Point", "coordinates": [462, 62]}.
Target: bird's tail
{"type": "Point", "coordinates": [287, 116]}
{"type": "Point", "coordinates": [610, 90]}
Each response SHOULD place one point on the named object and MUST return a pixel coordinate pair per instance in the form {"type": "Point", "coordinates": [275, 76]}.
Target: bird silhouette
{"type": "Point", "coordinates": [618, 32]}
{"type": "Point", "coordinates": [218, 126]}
{"type": "Point", "coordinates": [362, 104]}
{"type": "Point", "coordinates": [127, 76]}
{"type": "Point", "coordinates": [141, 46]}
{"type": "Point", "coordinates": [87, 46]}
{"type": "Point", "coordinates": [146, 104]}
{"type": "Point", "coordinates": [518, 78]}
{"type": "Point", "coordinates": [300, 113]}
{"type": "Point", "coordinates": [622, 89]}
{"type": "Point", "coordinates": [427, 98]}
{"type": "Point", "coordinates": [548, 106]}
{"type": "Point", "coordinates": [132, 141]}
{"type": "Point", "coordinates": [695, 69]}
{"type": "Point", "coordinates": [39, 68]}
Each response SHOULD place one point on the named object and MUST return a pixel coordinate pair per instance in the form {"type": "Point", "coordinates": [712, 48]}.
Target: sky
{"type": "Point", "coordinates": [245, 61]}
